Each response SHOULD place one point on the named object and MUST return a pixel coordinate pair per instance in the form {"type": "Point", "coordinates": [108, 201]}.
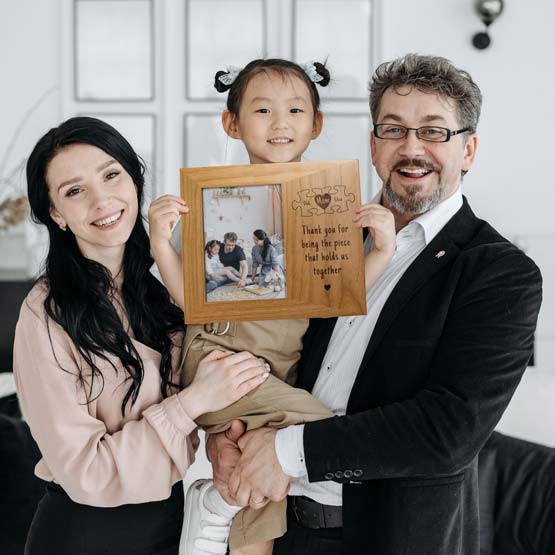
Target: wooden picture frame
{"type": "Point", "coordinates": [322, 257]}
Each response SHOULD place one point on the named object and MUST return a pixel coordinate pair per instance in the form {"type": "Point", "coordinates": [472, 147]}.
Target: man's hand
{"type": "Point", "coordinates": [224, 453]}
{"type": "Point", "coordinates": [258, 476]}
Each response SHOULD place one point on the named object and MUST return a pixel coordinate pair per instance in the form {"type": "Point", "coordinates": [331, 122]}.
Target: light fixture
{"type": "Point", "coordinates": [488, 11]}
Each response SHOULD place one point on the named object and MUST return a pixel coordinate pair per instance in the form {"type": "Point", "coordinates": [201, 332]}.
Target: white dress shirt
{"type": "Point", "coordinates": [348, 344]}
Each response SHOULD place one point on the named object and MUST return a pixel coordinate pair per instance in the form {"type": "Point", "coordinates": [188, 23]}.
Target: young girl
{"type": "Point", "coordinates": [96, 357]}
{"type": "Point", "coordinates": [273, 107]}
{"type": "Point", "coordinates": [215, 270]}
{"type": "Point", "coordinates": [264, 255]}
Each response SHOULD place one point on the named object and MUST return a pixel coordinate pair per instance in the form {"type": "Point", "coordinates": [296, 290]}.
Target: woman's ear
{"type": "Point", "coordinates": [317, 125]}
{"type": "Point", "coordinates": [58, 218]}
{"type": "Point", "coordinates": [229, 122]}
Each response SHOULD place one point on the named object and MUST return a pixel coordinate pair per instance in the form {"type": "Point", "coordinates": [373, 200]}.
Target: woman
{"type": "Point", "coordinates": [95, 357]}
{"type": "Point", "coordinates": [264, 255]}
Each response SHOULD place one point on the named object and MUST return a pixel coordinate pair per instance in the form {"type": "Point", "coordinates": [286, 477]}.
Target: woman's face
{"type": "Point", "coordinates": [257, 241]}
{"type": "Point", "coordinates": [95, 198]}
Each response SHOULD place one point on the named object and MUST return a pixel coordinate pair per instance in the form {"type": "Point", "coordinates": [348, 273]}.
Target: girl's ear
{"type": "Point", "coordinates": [229, 122]}
{"type": "Point", "coordinates": [317, 125]}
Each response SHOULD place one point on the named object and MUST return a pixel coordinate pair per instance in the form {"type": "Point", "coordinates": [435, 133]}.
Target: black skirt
{"type": "Point", "coordinates": [61, 526]}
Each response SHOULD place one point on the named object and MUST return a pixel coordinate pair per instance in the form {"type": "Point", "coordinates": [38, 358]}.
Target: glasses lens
{"type": "Point", "coordinates": [390, 131]}
{"type": "Point", "coordinates": [434, 134]}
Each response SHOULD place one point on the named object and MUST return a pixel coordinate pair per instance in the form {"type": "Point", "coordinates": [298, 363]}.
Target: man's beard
{"type": "Point", "coordinates": [411, 202]}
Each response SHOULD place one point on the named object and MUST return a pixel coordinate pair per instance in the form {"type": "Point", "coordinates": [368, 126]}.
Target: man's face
{"type": "Point", "coordinates": [229, 245]}
{"type": "Point", "coordinates": [417, 174]}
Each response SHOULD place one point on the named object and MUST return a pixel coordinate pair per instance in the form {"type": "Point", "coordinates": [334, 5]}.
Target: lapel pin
{"type": "Point", "coordinates": [440, 254]}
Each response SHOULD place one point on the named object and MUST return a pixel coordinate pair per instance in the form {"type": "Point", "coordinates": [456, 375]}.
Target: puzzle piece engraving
{"type": "Point", "coordinates": [305, 203]}
{"type": "Point", "coordinates": [341, 200]}
{"type": "Point", "coordinates": [323, 200]}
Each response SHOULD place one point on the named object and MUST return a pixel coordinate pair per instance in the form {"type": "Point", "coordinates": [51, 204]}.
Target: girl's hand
{"type": "Point", "coordinates": [221, 379]}
{"type": "Point", "coordinates": [163, 214]}
{"type": "Point", "coordinates": [381, 225]}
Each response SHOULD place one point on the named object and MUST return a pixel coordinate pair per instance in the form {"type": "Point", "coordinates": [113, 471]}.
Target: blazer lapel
{"type": "Point", "coordinates": [441, 251]}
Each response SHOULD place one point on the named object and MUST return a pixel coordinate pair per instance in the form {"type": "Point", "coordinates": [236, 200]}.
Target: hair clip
{"type": "Point", "coordinates": [310, 69]}
{"type": "Point", "coordinates": [229, 77]}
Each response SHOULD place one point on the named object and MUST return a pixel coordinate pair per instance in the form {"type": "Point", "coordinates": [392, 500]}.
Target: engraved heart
{"type": "Point", "coordinates": [327, 287]}
{"type": "Point", "coordinates": [322, 200]}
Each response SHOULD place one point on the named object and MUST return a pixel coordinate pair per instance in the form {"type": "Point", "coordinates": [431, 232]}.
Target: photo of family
{"type": "Point", "coordinates": [243, 243]}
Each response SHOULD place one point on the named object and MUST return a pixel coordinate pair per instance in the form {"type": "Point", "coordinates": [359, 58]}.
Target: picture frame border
{"type": "Point", "coordinates": [198, 310]}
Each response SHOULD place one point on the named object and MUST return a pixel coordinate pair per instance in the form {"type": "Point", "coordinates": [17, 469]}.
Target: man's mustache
{"type": "Point", "coordinates": [415, 163]}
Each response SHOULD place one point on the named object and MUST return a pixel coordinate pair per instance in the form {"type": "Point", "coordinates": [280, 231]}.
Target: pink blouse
{"type": "Point", "coordinates": [98, 457]}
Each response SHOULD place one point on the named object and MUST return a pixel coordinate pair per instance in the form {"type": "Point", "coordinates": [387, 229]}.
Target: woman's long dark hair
{"type": "Point", "coordinates": [263, 236]}
{"type": "Point", "coordinates": [80, 289]}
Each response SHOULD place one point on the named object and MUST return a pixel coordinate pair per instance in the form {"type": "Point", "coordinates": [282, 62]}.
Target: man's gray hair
{"type": "Point", "coordinates": [429, 74]}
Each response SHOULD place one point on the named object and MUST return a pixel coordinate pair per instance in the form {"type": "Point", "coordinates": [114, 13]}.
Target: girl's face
{"type": "Point", "coordinates": [214, 249]}
{"type": "Point", "coordinates": [276, 121]}
{"type": "Point", "coordinates": [95, 198]}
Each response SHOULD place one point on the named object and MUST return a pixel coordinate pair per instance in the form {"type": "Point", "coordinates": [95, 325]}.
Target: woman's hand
{"type": "Point", "coordinates": [163, 214]}
{"type": "Point", "coordinates": [221, 379]}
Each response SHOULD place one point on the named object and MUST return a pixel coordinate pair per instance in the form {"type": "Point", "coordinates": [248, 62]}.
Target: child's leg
{"type": "Point", "coordinates": [264, 548]}
{"type": "Point", "coordinates": [254, 531]}
{"type": "Point", "coordinates": [275, 404]}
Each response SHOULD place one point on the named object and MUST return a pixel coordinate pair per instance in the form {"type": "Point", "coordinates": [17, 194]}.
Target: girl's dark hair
{"type": "Point", "coordinates": [263, 236]}
{"type": "Point", "coordinates": [283, 68]}
{"type": "Point", "coordinates": [209, 245]}
{"type": "Point", "coordinates": [80, 290]}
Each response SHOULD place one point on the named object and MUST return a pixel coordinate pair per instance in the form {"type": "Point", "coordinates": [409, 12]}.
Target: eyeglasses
{"type": "Point", "coordinates": [430, 133]}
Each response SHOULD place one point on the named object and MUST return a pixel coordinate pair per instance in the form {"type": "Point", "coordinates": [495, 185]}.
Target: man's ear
{"type": "Point", "coordinates": [469, 151]}
{"type": "Point", "coordinates": [229, 122]}
{"type": "Point", "coordinates": [317, 125]}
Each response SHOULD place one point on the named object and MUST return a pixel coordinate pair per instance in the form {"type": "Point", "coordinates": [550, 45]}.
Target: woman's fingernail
{"type": "Point", "coordinates": [267, 366]}
{"type": "Point", "coordinates": [265, 375]}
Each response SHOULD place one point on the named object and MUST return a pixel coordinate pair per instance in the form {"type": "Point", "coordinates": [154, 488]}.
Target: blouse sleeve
{"type": "Point", "coordinates": [138, 463]}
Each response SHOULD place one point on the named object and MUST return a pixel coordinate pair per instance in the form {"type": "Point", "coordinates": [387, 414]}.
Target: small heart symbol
{"type": "Point", "coordinates": [323, 200]}
{"type": "Point", "coordinates": [327, 287]}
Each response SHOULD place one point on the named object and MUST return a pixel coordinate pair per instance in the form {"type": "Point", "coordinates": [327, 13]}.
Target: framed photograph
{"type": "Point", "coordinates": [272, 241]}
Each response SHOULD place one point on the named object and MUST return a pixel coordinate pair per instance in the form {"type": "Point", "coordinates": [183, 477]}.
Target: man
{"type": "Point", "coordinates": [420, 382]}
{"type": "Point", "coordinates": [231, 254]}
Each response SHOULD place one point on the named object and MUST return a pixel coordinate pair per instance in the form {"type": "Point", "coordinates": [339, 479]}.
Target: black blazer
{"type": "Point", "coordinates": [448, 350]}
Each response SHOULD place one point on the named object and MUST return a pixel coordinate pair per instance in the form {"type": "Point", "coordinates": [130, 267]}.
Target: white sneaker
{"type": "Point", "coordinates": [204, 533]}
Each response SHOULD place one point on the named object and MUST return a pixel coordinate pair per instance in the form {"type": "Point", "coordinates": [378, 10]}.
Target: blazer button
{"type": "Point", "coordinates": [329, 476]}
{"type": "Point", "coordinates": [348, 473]}
{"type": "Point", "coordinates": [339, 474]}
{"type": "Point", "coordinates": [357, 473]}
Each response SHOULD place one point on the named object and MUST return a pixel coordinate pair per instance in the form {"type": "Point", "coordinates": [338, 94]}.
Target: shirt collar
{"type": "Point", "coordinates": [433, 221]}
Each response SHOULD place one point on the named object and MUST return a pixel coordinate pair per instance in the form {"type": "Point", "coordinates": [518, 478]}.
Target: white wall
{"type": "Point", "coordinates": [512, 184]}
{"type": "Point", "coordinates": [29, 106]}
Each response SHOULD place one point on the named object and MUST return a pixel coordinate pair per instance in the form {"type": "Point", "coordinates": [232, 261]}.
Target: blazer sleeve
{"type": "Point", "coordinates": [138, 463]}
{"type": "Point", "coordinates": [478, 362]}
